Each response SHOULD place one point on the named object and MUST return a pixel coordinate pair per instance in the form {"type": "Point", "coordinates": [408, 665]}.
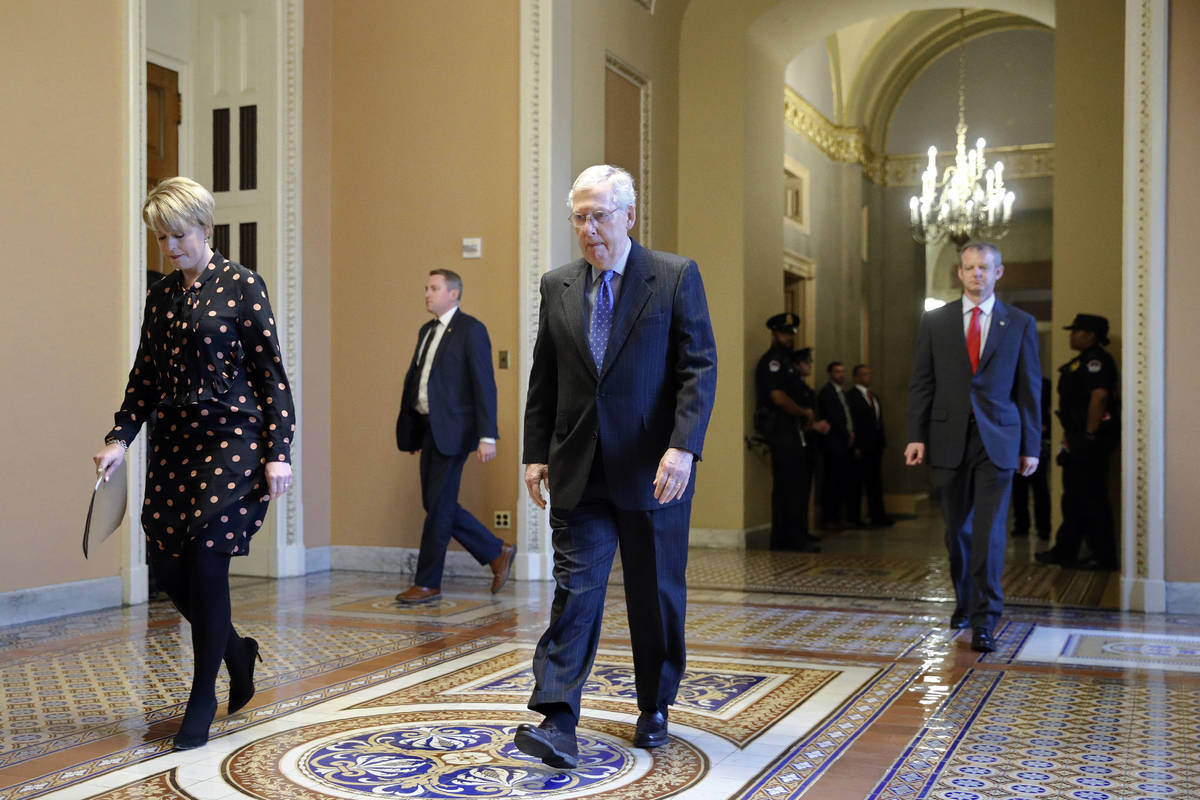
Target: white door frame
{"type": "Point", "coordinates": [287, 552]}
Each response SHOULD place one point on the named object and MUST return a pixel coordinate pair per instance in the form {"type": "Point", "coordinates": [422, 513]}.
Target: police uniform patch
{"type": "Point", "coordinates": [1074, 365]}
{"type": "Point", "coordinates": [1094, 365]}
{"type": "Point", "coordinates": [773, 366]}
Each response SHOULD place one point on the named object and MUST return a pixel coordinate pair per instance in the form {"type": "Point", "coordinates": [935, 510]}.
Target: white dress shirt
{"type": "Point", "coordinates": [439, 330]}
{"type": "Point", "coordinates": [985, 319]}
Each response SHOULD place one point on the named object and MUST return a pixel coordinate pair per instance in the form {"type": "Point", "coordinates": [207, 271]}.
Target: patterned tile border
{"type": "Point", "coordinates": [163, 786]}
{"type": "Point", "coordinates": [132, 755]}
{"type": "Point", "coordinates": [506, 678]}
{"type": "Point", "coordinates": [1123, 650]}
{"type": "Point", "coordinates": [802, 764]}
{"type": "Point", "coordinates": [1008, 735]}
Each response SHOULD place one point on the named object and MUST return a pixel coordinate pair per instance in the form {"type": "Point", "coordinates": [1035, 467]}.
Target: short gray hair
{"type": "Point", "coordinates": [983, 247]}
{"type": "Point", "coordinates": [620, 181]}
{"type": "Point", "coordinates": [453, 279]}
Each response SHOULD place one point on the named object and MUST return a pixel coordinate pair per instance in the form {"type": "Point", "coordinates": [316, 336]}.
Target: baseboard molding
{"type": "Point", "coordinates": [59, 599]}
{"type": "Point", "coordinates": [1183, 598]}
{"type": "Point", "coordinates": [401, 561]}
{"type": "Point", "coordinates": [1140, 594]}
{"type": "Point", "coordinates": [729, 538]}
{"type": "Point", "coordinates": [318, 559]}
{"type": "Point", "coordinates": [908, 505]}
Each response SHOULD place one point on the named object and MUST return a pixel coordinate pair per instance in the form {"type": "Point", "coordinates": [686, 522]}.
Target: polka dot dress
{"type": "Point", "coordinates": [209, 376]}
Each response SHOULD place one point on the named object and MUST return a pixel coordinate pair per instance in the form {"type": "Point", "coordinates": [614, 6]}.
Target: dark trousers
{"type": "Point", "coordinates": [1039, 485]}
{"type": "Point", "coordinates": [791, 484]}
{"type": "Point", "coordinates": [867, 476]}
{"type": "Point", "coordinates": [836, 486]}
{"type": "Point", "coordinates": [974, 499]}
{"type": "Point", "coordinates": [1087, 509]}
{"type": "Point", "coordinates": [653, 547]}
{"type": "Point", "coordinates": [445, 519]}
{"type": "Point", "coordinates": [198, 584]}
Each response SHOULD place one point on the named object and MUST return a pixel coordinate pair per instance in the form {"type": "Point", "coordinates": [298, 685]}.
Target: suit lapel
{"type": "Point", "coordinates": [572, 310]}
{"type": "Point", "coordinates": [447, 338]}
{"type": "Point", "coordinates": [636, 289]}
{"type": "Point", "coordinates": [996, 333]}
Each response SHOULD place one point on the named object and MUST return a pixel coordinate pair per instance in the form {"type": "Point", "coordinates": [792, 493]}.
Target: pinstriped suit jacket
{"type": "Point", "coordinates": [655, 389]}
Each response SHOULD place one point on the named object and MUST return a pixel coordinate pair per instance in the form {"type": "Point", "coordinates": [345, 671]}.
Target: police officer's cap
{"type": "Point", "coordinates": [1091, 322]}
{"type": "Point", "coordinates": [803, 354]}
{"type": "Point", "coordinates": [784, 322]}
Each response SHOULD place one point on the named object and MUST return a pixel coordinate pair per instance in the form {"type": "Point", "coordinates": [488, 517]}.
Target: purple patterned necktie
{"type": "Point", "coordinates": [601, 319]}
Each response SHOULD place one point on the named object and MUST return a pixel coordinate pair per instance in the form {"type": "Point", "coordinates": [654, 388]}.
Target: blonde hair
{"type": "Point", "coordinates": [176, 204]}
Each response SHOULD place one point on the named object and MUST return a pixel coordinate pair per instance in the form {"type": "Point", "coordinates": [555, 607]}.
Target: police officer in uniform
{"type": "Point", "coordinates": [1089, 408]}
{"type": "Point", "coordinates": [782, 422]}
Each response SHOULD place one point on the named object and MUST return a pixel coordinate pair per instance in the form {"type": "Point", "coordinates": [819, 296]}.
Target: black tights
{"type": "Point", "coordinates": [198, 584]}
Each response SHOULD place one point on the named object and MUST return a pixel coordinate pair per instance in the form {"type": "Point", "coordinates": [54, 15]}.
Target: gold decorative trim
{"type": "Point", "coordinates": [290, 37]}
{"type": "Point", "coordinates": [1020, 161]}
{"type": "Point", "coordinates": [631, 74]}
{"type": "Point", "coordinates": [849, 145]}
{"type": "Point", "coordinates": [846, 144]}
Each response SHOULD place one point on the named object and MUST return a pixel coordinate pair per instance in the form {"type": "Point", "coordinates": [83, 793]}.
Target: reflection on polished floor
{"type": "Point", "coordinates": [840, 681]}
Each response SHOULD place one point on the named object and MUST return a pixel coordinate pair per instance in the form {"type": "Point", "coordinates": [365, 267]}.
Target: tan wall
{"type": "Point", "coordinates": [424, 152]}
{"type": "Point", "coordinates": [64, 308]}
{"type": "Point", "coordinates": [1183, 289]}
{"type": "Point", "coordinates": [1089, 79]}
{"type": "Point", "coordinates": [316, 339]}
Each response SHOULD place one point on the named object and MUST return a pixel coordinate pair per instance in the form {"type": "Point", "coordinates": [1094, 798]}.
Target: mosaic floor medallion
{"type": "Point", "coordinates": [450, 755]}
{"type": "Point", "coordinates": [734, 699]}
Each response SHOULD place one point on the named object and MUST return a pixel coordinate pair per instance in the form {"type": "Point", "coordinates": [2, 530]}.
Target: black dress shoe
{"type": "Point", "coordinates": [982, 641]}
{"type": "Point", "coordinates": [197, 717]}
{"type": "Point", "coordinates": [555, 748]}
{"type": "Point", "coordinates": [1051, 558]}
{"type": "Point", "coordinates": [883, 522]}
{"type": "Point", "coordinates": [651, 729]}
{"type": "Point", "coordinates": [959, 620]}
{"type": "Point", "coordinates": [1092, 564]}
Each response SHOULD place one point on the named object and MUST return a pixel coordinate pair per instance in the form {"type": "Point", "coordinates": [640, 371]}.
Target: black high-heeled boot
{"type": "Point", "coordinates": [197, 718]}
{"type": "Point", "coordinates": [241, 676]}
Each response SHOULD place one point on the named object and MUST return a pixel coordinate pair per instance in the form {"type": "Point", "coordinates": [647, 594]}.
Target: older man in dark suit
{"type": "Point", "coordinates": [620, 393]}
{"type": "Point", "coordinates": [449, 410]}
{"type": "Point", "coordinates": [973, 412]}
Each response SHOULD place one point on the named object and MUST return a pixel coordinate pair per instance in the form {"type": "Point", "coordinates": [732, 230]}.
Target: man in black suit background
{"type": "Point", "coordinates": [869, 443]}
{"type": "Point", "coordinates": [449, 410]}
{"type": "Point", "coordinates": [620, 392]}
{"type": "Point", "coordinates": [973, 412]}
{"type": "Point", "coordinates": [837, 501]}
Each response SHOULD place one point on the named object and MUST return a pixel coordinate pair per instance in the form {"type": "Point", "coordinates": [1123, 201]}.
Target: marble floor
{"type": "Point", "coordinates": [831, 677]}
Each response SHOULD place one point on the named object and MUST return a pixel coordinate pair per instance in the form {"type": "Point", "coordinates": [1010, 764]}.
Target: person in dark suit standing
{"type": "Point", "coordinates": [869, 443]}
{"type": "Point", "coordinates": [620, 392]}
{"type": "Point", "coordinates": [838, 447]}
{"type": "Point", "coordinates": [973, 413]}
{"type": "Point", "coordinates": [449, 410]}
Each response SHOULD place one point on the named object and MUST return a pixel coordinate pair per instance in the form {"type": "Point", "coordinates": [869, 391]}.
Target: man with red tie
{"type": "Point", "coordinates": [973, 411]}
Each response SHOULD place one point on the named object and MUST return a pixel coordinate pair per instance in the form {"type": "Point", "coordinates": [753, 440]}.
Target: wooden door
{"type": "Point", "coordinates": [164, 112]}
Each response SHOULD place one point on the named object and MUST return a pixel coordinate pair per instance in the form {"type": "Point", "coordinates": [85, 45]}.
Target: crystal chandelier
{"type": "Point", "coordinates": [973, 203]}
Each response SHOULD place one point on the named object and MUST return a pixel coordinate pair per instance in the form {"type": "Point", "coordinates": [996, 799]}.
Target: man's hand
{"type": "Point", "coordinates": [487, 451]}
{"type": "Point", "coordinates": [1027, 465]}
{"type": "Point", "coordinates": [914, 453]}
{"type": "Point", "coordinates": [821, 426]}
{"type": "Point", "coordinates": [535, 476]}
{"type": "Point", "coordinates": [674, 472]}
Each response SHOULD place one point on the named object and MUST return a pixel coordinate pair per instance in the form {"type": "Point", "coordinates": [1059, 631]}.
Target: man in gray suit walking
{"type": "Point", "coordinates": [620, 392]}
{"type": "Point", "coordinates": [973, 411]}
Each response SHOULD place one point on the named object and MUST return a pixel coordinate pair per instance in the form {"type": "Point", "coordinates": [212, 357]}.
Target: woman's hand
{"type": "Point", "coordinates": [279, 478]}
{"type": "Point", "coordinates": [109, 459]}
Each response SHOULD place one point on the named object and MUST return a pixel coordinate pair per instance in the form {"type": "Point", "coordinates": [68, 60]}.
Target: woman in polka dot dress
{"type": "Point", "coordinates": [210, 371]}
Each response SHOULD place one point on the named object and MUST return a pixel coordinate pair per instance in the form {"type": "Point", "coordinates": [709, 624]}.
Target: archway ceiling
{"type": "Point", "coordinates": [878, 47]}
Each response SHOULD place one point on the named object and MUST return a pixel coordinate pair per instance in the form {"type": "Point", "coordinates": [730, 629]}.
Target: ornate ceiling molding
{"type": "Point", "coordinates": [850, 145]}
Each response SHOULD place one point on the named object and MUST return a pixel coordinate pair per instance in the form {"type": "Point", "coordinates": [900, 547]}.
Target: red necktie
{"type": "Point", "coordinates": [973, 340]}
{"type": "Point", "coordinates": [871, 400]}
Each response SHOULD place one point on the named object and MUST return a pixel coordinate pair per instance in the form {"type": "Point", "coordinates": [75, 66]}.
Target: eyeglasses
{"type": "Point", "coordinates": [598, 217]}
